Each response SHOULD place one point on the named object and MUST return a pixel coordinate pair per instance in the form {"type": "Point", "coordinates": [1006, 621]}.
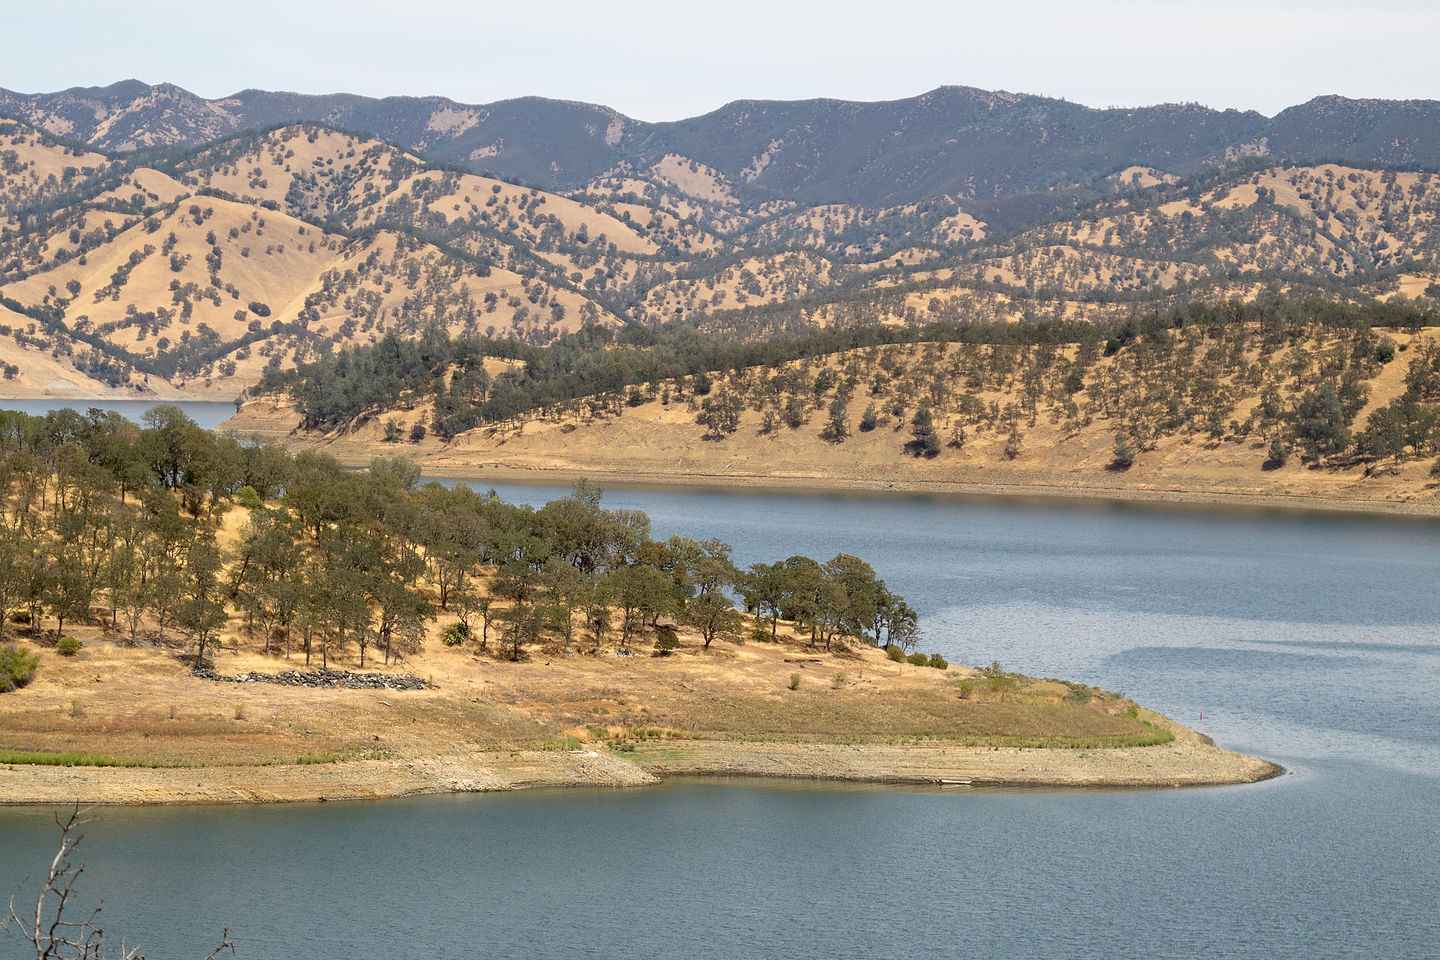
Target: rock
{"type": "Point", "coordinates": [321, 678]}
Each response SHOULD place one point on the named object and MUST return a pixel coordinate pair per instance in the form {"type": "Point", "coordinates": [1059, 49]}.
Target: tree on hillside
{"type": "Point", "coordinates": [711, 610]}
{"type": "Point", "coordinates": [765, 588]}
{"type": "Point", "coordinates": [637, 590]}
{"type": "Point", "coordinates": [720, 415]}
{"type": "Point", "coordinates": [518, 583]}
{"type": "Point", "coordinates": [837, 427]}
{"type": "Point", "coordinates": [565, 587]}
{"type": "Point", "coordinates": [924, 442]}
{"type": "Point", "coordinates": [202, 610]}
{"type": "Point", "coordinates": [1321, 421]}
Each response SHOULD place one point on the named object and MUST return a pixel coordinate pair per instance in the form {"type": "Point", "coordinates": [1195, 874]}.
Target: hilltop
{"type": "Point", "coordinates": [952, 141]}
{"type": "Point", "coordinates": [152, 250]}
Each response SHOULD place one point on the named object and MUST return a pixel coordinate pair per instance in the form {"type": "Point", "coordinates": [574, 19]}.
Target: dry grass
{"type": "Point", "coordinates": [662, 443]}
{"type": "Point", "coordinates": [140, 706]}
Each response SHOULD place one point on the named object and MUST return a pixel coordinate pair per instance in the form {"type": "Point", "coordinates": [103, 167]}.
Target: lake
{"type": "Point", "coordinates": [1310, 640]}
{"type": "Point", "coordinates": [207, 413]}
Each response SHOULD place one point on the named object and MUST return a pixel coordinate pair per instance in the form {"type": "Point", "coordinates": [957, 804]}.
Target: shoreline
{"type": "Point", "coordinates": [959, 490]}
{"type": "Point", "coordinates": [1190, 760]}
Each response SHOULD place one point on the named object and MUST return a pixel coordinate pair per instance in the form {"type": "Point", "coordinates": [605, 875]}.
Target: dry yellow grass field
{"type": "Point", "coordinates": [565, 715]}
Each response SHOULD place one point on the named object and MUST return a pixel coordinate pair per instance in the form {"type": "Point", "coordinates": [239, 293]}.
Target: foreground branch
{"type": "Point", "coordinates": [53, 934]}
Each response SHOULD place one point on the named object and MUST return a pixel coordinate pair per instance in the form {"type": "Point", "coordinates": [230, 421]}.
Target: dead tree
{"type": "Point", "coordinates": [58, 936]}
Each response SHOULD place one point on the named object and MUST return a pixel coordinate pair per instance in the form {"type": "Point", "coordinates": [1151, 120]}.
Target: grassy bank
{"type": "Point", "coordinates": [150, 732]}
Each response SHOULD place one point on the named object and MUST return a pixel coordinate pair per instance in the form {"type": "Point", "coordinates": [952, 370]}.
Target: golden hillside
{"type": "Point", "coordinates": [192, 272]}
{"type": "Point", "coordinates": [1274, 411]}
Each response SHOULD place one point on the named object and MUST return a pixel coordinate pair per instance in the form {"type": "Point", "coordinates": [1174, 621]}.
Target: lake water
{"type": "Point", "coordinates": [207, 413]}
{"type": "Point", "coordinates": [1309, 640]}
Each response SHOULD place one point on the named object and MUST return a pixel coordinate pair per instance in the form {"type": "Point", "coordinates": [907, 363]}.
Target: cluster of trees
{"type": "Point", "coordinates": [1296, 375]}
{"type": "Point", "coordinates": [1409, 426]}
{"type": "Point", "coordinates": [589, 371]}
{"type": "Point", "coordinates": [99, 514]}
{"type": "Point", "coordinates": [367, 558]}
{"type": "Point", "coordinates": [110, 522]}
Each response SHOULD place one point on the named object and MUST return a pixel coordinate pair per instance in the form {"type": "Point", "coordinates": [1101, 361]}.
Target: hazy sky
{"type": "Point", "coordinates": [666, 60]}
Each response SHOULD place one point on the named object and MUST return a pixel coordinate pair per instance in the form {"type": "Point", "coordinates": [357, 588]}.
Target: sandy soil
{"type": "Point", "coordinates": [1190, 760]}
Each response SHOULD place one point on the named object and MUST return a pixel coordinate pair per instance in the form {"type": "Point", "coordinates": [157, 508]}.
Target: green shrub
{"type": "Point", "coordinates": [665, 642]}
{"type": "Point", "coordinates": [966, 689]}
{"type": "Point", "coordinates": [997, 678]}
{"type": "Point", "coordinates": [895, 653]}
{"type": "Point", "coordinates": [938, 662]}
{"type": "Point", "coordinates": [455, 635]}
{"type": "Point", "coordinates": [248, 498]}
{"type": "Point", "coordinates": [760, 633]}
{"type": "Point", "coordinates": [838, 681]}
{"type": "Point", "coordinates": [68, 646]}
{"type": "Point", "coordinates": [20, 616]}
{"type": "Point", "coordinates": [918, 659]}
{"type": "Point", "coordinates": [16, 667]}
{"type": "Point", "coordinates": [794, 681]}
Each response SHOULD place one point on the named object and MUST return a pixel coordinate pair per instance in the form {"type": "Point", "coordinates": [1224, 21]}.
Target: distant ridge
{"type": "Point", "coordinates": [953, 141]}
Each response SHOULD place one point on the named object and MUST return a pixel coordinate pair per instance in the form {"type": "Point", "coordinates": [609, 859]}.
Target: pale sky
{"type": "Point", "coordinates": [660, 60]}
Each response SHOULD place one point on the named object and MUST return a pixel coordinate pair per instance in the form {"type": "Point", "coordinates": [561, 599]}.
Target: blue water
{"type": "Point", "coordinates": [1310, 640]}
{"type": "Point", "coordinates": [207, 413]}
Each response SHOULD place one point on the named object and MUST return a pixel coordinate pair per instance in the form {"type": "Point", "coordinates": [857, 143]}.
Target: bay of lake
{"type": "Point", "coordinates": [1310, 640]}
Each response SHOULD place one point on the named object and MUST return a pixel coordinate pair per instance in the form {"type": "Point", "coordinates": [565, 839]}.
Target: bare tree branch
{"type": "Point", "coordinates": [59, 938]}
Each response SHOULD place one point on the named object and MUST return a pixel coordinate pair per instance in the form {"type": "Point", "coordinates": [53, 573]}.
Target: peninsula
{"type": "Point", "coordinates": [132, 725]}
{"type": "Point", "coordinates": [193, 620]}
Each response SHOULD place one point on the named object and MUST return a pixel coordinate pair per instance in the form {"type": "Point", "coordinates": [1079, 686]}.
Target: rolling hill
{"type": "Point", "coordinates": [148, 247]}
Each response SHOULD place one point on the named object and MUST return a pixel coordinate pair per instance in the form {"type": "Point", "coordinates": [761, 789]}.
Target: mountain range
{"type": "Point", "coordinates": [953, 141]}
{"type": "Point", "coordinates": [153, 241]}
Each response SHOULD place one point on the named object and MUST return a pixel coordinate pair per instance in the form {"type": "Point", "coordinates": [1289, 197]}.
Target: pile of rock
{"type": "Point", "coordinates": [322, 678]}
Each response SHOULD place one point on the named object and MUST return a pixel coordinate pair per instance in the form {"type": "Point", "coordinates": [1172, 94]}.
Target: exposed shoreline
{"type": "Point", "coordinates": [636, 451]}
{"type": "Point", "coordinates": [1188, 761]}
{"type": "Point", "coordinates": [485, 725]}
{"type": "Point", "coordinates": [960, 490]}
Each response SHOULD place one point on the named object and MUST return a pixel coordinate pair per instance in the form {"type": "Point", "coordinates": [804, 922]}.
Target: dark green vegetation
{"type": "Point", "coordinates": [107, 522]}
